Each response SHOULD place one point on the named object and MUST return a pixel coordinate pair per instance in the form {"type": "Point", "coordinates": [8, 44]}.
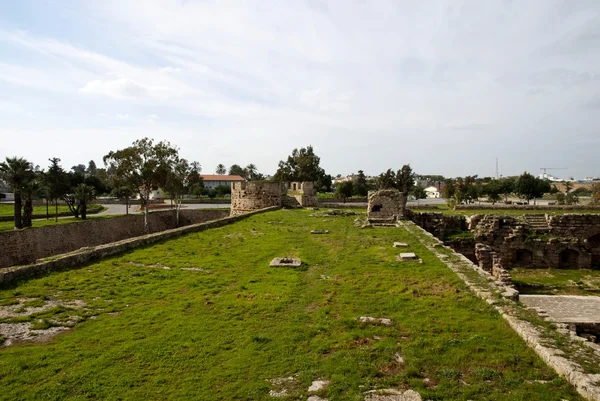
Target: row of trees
{"type": "Point", "coordinates": [28, 182]}
{"type": "Point", "coordinates": [469, 189]}
{"type": "Point", "coordinates": [250, 172]}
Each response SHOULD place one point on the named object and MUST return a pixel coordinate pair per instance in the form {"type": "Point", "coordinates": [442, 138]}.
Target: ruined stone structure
{"type": "Point", "coordinates": [26, 246]}
{"type": "Point", "coordinates": [255, 195]}
{"type": "Point", "coordinates": [532, 240]}
{"type": "Point", "coordinates": [301, 194]}
{"type": "Point", "coordinates": [542, 241]}
{"type": "Point", "coordinates": [385, 205]}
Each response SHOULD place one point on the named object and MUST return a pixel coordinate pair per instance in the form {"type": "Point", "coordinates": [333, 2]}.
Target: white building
{"type": "Point", "coordinates": [433, 193]}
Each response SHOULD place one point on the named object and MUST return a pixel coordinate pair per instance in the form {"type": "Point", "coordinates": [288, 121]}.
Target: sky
{"type": "Point", "coordinates": [448, 86]}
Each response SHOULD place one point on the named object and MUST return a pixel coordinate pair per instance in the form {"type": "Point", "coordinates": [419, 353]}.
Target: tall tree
{"type": "Point", "coordinates": [92, 169]}
{"type": "Point", "coordinates": [236, 169]}
{"type": "Point", "coordinates": [403, 180]}
{"type": "Point", "coordinates": [529, 187]}
{"type": "Point", "coordinates": [344, 190]}
{"type": "Point", "coordinates": [221, 169]}
{"type": "Point", "coordinates": [493, 190]}
{"type": "Point", "coordinates": [57, 182]}
{"type": "Point", "coordinates": [361, 187]}
{"type": "Point", "coordinates": [386, 180]}
{"type": "Point", "coordinates": [80, 169]}
{"type": "Point", "coordinates": [16, 171]}
{"type": "Point", "coordinates": [177, 183]}
{"type": "Point", "coordinates": [143, 165]}
{"type": "Point", "coordinates": [419, 192]}
{"type": "Point", "coordinates": [251, 172]}
{"type": "Point", "coordinates": [303, 165]}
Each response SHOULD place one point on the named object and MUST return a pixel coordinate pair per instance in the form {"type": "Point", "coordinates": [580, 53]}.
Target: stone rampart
{"type": "Point", "coordinates": [255, 195]}
{"type": "Point", "coordinates": [85, 255]}
{"type": "Point", "coordinates": [26, 246]}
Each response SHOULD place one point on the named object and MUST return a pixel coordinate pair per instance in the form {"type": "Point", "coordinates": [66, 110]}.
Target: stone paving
{"type": "Point", "coordinates": [566, 308]}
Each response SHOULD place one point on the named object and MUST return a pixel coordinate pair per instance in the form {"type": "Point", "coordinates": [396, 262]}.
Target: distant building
{"type": "Point", "coordinates": [433, 193]}
{"type": "Point", "coordinates": [155, 194]}
{"type": "Point", "coordinates": [212, 181]}
{"type": "Point", "coordinates": [8, 197]}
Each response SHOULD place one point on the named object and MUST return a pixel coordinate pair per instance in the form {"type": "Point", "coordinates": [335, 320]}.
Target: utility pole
{"type": "Point", "coordinates": [496, 168]}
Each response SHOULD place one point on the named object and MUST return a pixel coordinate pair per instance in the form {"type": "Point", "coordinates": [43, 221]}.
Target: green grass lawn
{"type": "Point", "coordinates": [557, 281]}
{"type": "Point", "coordinates": [8, 209]}
{"type": "Point", "coordinates": [222, 331]}
{"type": "Point", "coordinates": [10, 225]}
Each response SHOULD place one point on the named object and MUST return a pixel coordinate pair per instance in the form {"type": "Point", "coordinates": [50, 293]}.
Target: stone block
{"type": "Point", "coordinates": [285, 262]}
{"type": "Point", "coordinates": [408, 256]}
{"type": "Point", "coordinates": [400, 245]}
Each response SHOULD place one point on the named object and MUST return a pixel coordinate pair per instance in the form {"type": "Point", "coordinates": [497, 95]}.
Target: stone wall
{"type": "Point", "coordinates": [85, 255]}
{"type": "Point", "coordinates": [438, 224]}
{"type": "Point", "coordinates": [384, 205]}
{"type": "Point", "coordinates": [255, 195]}
{"type": "Point", "coordinates": [26, 246]}
{"type": "Point", "coordinates": [567, 241]}
{"type": "Point", "coordinates": [541, 208]}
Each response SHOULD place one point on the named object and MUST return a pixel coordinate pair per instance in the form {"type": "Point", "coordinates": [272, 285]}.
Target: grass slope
{"type": "Point", "coordinates": [223, 332]}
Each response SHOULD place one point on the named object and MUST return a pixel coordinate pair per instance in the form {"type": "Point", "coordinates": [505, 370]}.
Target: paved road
{"type": "Point", "coordinates": [121, 209]}
{"type": "Point", "coordinates": [566, 308]}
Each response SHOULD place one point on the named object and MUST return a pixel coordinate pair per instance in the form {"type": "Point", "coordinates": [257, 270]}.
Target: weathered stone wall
{"type": "Point", "coordinates": [500, 206]}
{"type": "Point", "coordinates": [384, 204]}
{"type": "Point", "coordinates": [438, 224]}
{"type": "Point", "coordinates": [85, 255]}
{"type": "Point", "coordinates": [582, 226]}
{"type": "Point", "coordinates": [26, 246]}
{"type": "Point", "coordinates": [255, 195]}
{"type": "Point", "coordinates": [567, 241]}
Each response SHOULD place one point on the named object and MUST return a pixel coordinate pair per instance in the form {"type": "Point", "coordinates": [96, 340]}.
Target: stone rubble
{"type": "Point", "coordinates": [374, 320]}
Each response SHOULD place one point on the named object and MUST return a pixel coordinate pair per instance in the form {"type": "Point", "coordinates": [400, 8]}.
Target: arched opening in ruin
{"type": "Point", "coordinates": [376, 208]}
{"type": "Point", "coordinates": [294, 187]}
{"type": "Point", "coordinates": [523, 257]}
{"type": "Point", "coordinates": [568, 259]}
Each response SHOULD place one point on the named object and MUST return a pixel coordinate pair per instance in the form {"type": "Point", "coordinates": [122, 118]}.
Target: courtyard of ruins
{"type": "Point", "coordinates": [204, 316]}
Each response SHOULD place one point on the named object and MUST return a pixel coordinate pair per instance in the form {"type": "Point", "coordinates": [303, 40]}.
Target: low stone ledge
{"type": "Point", "coordinates": [88, 254]}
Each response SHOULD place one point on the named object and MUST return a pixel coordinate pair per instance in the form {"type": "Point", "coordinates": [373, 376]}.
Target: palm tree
{"type": "Point", "coordinates": [84, 193]}
{"type": "Point", "coordinates": [221, 169]}
{"type": "Point", "coordinates": [196, 167]}
{"type": "Point", "coordinates": [15, 171]}
{"type": "Point", "coordinates": [251, 171]}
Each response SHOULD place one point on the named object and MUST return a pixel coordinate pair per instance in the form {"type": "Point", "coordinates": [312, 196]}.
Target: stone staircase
{"type": "Point", "coordinates": [290, 202]}
{"type": "Point", "coordinates": [537, 222]}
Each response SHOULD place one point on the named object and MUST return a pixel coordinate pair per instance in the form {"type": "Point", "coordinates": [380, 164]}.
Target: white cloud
{"type": "Point", "coordinates": [262, 77]}
{"type": "Point", "coordinates": [123, 116]}
{"type": "Point", "coordinates": [118, 88]}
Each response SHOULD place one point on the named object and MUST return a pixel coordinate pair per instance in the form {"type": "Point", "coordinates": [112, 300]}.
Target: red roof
{"type": "Point", "coordinates": [217, 177]}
